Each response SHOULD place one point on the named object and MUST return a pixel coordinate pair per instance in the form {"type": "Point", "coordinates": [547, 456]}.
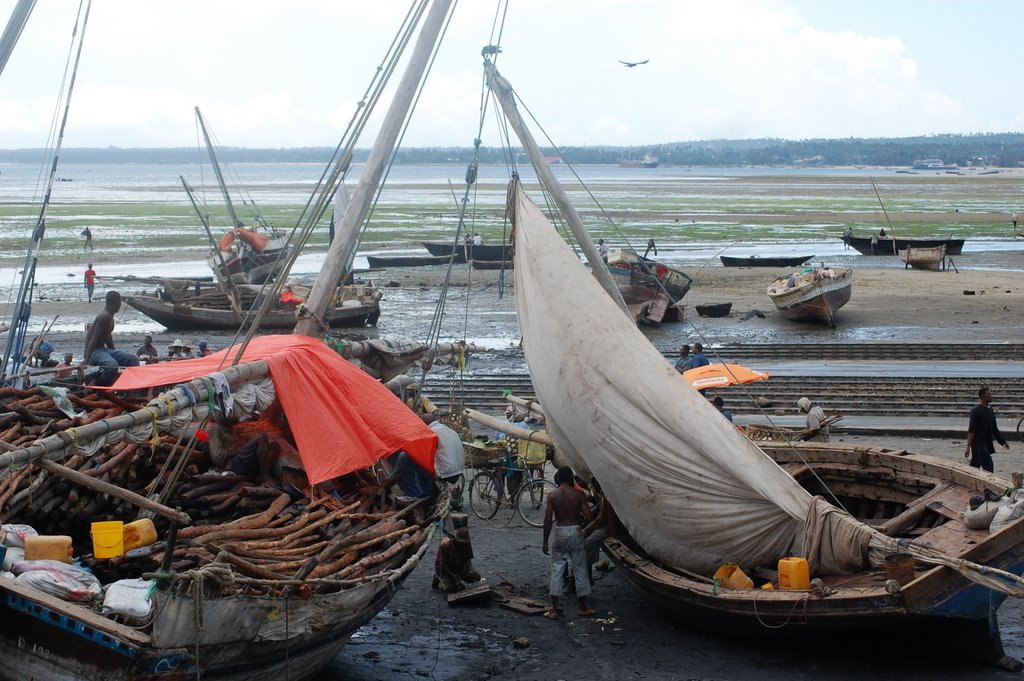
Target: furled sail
{"type": "Point", "coordinates": [691, 489]}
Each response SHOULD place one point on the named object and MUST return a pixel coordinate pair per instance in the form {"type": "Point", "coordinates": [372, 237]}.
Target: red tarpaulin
{"type": "Point", "coordinates": [342, 418]}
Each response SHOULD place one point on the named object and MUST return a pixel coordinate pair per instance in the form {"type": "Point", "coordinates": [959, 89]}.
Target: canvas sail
{"type": "Point", "coordinates": [691, 489]}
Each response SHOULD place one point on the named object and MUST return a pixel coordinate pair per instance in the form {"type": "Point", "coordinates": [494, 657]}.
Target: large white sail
{"type": "Point", "coordinates": [691, 489]}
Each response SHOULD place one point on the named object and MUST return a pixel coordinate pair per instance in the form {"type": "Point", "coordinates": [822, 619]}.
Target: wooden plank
{"type": "Point", "coordinates": [473, 592]}
{"type": "Point", "coordinates": [526, 606]}
{"type": "Point", "coordinates": [82, 614]}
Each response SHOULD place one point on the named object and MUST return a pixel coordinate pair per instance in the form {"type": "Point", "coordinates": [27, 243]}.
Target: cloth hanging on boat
{"type": "Point", "coordinates": [342, 419]}
{"type": "Point", "coordinates": [222, 389]}
{"type": "Point", "coordinates": [691, 490]}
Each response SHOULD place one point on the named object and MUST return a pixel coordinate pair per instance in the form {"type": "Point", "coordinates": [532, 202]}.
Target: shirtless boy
{"type": "Point", "coordinates": [567, 505]}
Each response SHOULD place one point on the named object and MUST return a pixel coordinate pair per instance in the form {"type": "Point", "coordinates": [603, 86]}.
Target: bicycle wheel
{"type": "Point", "coordinates": [483, 495]}
{"type": "Point", "coordinates": [532, 501]}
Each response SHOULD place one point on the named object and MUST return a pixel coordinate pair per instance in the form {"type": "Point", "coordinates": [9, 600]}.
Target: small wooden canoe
{"type": "Point", "coordinates": [714, 309]}
{"type": "Point", "coordinates": [924, 258]}
{"type": "Point", "coordinates": [770, 261]}
{"type": "Point", "coordinates": [407, 260]}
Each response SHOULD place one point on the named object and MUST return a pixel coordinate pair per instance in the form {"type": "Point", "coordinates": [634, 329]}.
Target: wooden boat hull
{"type": "Point", "coordinates": [491, 264]}
{"type": "Point", "coordinates": [253, 267]}
{"type": "Point", "coordinates": [181, 316]}
{"type": "Point", "coordinates": [406, 260]}
{"type": "Point", "coordinates": [889, 246]}
{"type": "Point", "coordinates": [938, 597]}
{"type": "Point", "coordinates": [714, 310]}
{"type": "Point", "coordinates": [924, 258]}
{"type": "Point", "coordinates": [47, 639]}
{"type": "Point", "coordinates": [816, 302]}
{"type": "Point", "coordinates": [755, 261]}
{"type": "Point", "coordinates": [469, 252]}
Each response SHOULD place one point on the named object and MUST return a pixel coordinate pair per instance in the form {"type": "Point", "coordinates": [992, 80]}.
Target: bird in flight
{"type": "Point", "coordinates": [631, 64]}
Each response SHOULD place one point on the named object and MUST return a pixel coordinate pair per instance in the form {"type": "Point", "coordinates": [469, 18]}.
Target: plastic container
{"type": "Point", "coordinates": [732, 577]}
{"type": "Point", "coordinates": [794, 574]}
{"type": "Point", "coordinates": [900, 566]}
{"type": "Point", "coordinates": [107, 539]}
{"type": "Point", "coordinates": [138, 533]}
{"type": "Point", "coordinates": [52, 547]}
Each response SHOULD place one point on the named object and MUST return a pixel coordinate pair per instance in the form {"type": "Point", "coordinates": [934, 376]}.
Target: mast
{"type": "Point", "coordinates": [224, 282]}
{"type": "Point", "coordinates": [15, 25]}
{"type": "Point", "coordinates": [339, 255]}
{"type": "Point", "coordinates": [217, 170]}
{"type": "Point", "coordinates": [12, 359]}
{"type": "Point", "coordinates": [502, 91]}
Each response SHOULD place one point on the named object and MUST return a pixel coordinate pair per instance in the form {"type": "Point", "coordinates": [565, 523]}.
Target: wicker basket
{"type": "Point", "coordinates": [479, 455]}
{"type": "Point", "coordinates": [762, 433]}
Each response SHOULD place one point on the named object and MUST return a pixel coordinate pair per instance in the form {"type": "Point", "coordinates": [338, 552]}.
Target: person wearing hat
{"type": "Point", "coordinates": [186, 349]}
{"type": "Point", "coordinates": [41, 356]}
{"type": "Point", "coordinates": [176, 350]}
{"type": "Point", "coordinates": [204, 349]}
{"type": "Point", "coordinates": [453, 567]}
{"type": "Point", "coordinates": [816, 429]}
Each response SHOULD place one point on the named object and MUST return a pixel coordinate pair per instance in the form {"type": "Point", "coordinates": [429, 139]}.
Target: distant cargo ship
{"type": "Point", "coordinates": [934, 164]}
{"type": "Point", "coordinates": [648, 161]}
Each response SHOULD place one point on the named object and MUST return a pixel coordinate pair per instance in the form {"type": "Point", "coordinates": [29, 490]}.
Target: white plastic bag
{"type": "Point", "coordinates": [15, 535]}
{"type": "Point", "coordinates": [1007, 513]}
{"type": "Point", "coordinates": [128, 597]}
{"type": "Point", "coordinates": [58, 579]}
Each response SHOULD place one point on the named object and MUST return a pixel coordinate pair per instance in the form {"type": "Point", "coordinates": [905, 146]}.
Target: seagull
{"type": "Point", "coordinates": [631, 64]}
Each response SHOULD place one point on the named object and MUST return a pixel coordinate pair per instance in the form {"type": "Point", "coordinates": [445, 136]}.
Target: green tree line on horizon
{"type": "Point", "coordinates": [990, 149]}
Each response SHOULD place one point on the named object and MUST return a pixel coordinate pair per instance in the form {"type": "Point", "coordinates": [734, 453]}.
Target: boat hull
{"type": "Point", "coordinates": [755, 261]}
{"type": "Point", "coordinates": [938, 600]}
{"type": "Point", "coordinates": [491, 264]}
{"type": "Point", "coordinates": [252, 267]}
{"type": "Point", "coordinates": [181, 316]}
{"type": "Point", "coordinates": [924, 258]}
{"type": "Point", "coordinates": [888, 246]}
{"type": "Point", "coordinates": [406, 260]}
{"type": "Point", "coordinates": [465, 253]}
{"type": "Point", "coordinates": [815, 302]}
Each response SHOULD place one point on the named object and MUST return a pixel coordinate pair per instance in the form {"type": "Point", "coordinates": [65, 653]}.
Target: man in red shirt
{"type": "Point", "coordinates": [90, 281]}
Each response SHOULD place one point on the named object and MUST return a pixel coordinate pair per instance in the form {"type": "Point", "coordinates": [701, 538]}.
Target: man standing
{"type": "Point", "coordinates": [1013, 219]}
{"type": "Point", "coordinates": [847, 235]}
{"type": "Point", "coordinates": [449, 459]}
{"type": "Point", "coordinates": [685, 361]}
{"type": "Point", "coordinates": [981, 430]}
{"type": "Point", "coordinates": [99, 343]}
{"type": "Point", "coordinates": [90, 281]}
{"type": "Point", "coordinates": [566, 506]}
{"type": "Point", "coordinates": [699, 358]}
{"type": "Point", "coordinates": [651, 247]}
{"type": "Point", "coordinates": [816, 428]}
{"type": "Point", "coordinates": [87, 233]}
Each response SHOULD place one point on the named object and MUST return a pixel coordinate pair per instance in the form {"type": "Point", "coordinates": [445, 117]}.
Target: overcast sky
{"type": "Point", "coordinates": [287, 74]}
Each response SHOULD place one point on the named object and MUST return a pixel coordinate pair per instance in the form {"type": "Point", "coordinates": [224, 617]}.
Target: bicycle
{"type": "Point", "coordinates": [528, 495]}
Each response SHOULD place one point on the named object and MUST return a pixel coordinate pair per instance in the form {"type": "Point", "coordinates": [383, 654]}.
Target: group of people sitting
{"type": "Point", "coordinates": [179, 349]}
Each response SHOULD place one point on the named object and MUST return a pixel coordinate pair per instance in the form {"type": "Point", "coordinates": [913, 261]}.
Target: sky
{"type": "Point", "coordinates": [290, 74]}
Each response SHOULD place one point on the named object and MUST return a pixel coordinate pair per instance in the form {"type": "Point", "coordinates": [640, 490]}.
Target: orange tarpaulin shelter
{"type": "Point", "coordinates": [342, 419]}
{"type": "Point", "coordinates": [718, 375]}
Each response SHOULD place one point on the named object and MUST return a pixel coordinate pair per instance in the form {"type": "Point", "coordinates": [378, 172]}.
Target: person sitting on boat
{"type": "Point", "coordinates": [204, 349]}
{"type": "Point", "coordinates": [99, 343]}
{"type": "Point", "coordinates": [147, 352]}
{"type": "Point", "coordinates": [176, 350]}
{"type": "Point", "coordinates": [64, 367]}
{"type": "Point", "coordinates": [41, 356]}
{"type": "Point", "coordinates": [453, 567]}
{"type": "Point", "coordinates": [414, 480]}
{"type": "Point", "coordinates": [449, 458]}
{"type": "Point", "coordinates": [289, 301]}
{"type": "Point", "coordinates": [817, 430]}
{"type": "Point", "coordinates": [720, 406]}
{"type": "Point", "coordinates": [603, 249]}
{"type": "Point", "coordinates": [478, 240]}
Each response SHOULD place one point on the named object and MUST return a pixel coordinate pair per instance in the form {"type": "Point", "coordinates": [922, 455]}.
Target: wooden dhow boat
{"type": "Point", "coordinates": [690, 491]}
{"type": "Point", "coordinates": [886, 245]}
{"type": "Point", "coordinates": [406, 260]}
{"type": "Point", "coordinates": [465, 252]}
{"type": "Point", "coordinates": [924, 258]}
{"type": "Point", "coordinates": [766, 261]}
{"type": "Point", "coordinates": [813, 295]}
{"type": "Point", "coordinates": [253, 574]}
{"type": "Point", "coordinates": [652, 290]}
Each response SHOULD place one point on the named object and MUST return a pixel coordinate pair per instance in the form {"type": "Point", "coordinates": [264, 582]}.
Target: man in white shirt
{"type": "Point", "coordinates": [816, 430]}
{"type": "Point", "coordinates": [450, 458]}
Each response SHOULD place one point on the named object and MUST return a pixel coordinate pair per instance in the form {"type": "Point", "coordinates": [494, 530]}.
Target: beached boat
{"type": "Point", "coordinates": [885, 245]}
{"type": "Point", "coordinates": [242, 255]}
{"type": "Point", "coordinates": [769, 261]}
{"type": "Point", "coordinates": [652, 290]}
{"type": "Point", "coordinates": [814, 295]}
{"type": "Point", "coordinates": [406, 260]}
{"type": "Point", "coordinates": [250, 576]}
{"type": "Point", "coordinates": [924, 258]}
{"type": "Point", "coordinates": [855, 515]}
{"type": "Point", "coordinates": [934, 164]}
{"type": "Point", "coordinates": [466, 252]}
{"type": "Point", "coordinates": [491, 264]}
{"type": "Point", "coordinates": [714, 309]}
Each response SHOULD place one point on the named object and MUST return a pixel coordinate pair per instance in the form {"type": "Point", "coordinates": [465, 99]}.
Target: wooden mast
{"type": "Point", "coordinates": [217, 170]}
{"type": "Point", "coordinates": [502, 91]}
{"type": "Point", "coordinates": [340, 252]}
{"type": "Point", "coordinates": [223, 277]}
